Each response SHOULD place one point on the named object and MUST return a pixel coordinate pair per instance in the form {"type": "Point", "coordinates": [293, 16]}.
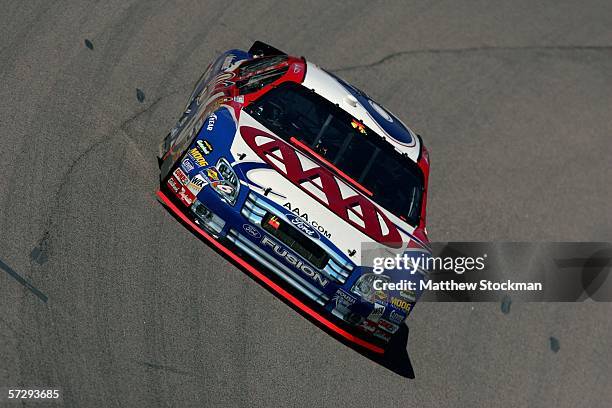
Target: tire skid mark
{"type": "Point", "coordinates": [41, 252]}
{"type": "Point", "coordinates": [164, 367]}
{"type": "Point", "coordinates": [399, 54]}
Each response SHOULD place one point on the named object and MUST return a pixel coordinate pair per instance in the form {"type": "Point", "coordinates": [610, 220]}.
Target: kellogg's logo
{"type": "Point", "coordinates": [282, 157]}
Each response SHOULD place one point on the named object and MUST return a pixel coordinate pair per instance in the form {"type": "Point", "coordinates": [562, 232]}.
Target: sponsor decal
{"type": "Point", "coordinates": [342, 297]}
{"type": "Point", "coordinates": [204, 146]}
{"type": "Point", "coordinates": [307, 218]}
{"type": "Point", "coordinates": [368, 326]}
{"type": "Point", "coordinates": [187, 165]}
{"type": "Point", "coordinates": [323, 186]}
{"type": "Point", "coordinates": [408, 295]}
{"type": "Point", "coordinates": [211, 174]}
{"type": "Point", "coordinates": [382, 335]}
{"type": "Point", "coordinates": [173, 184]}
{"type": "Point", "coordinates": [181, 176]}
{"type": "Point", "coordinates": [251, 230]}
{"type": "Point", "coordinates": [186, 196]}
{"type": "Point", "coordinates": [387, 326]}
{"type": "Point", "coordinates": [343, 301]}
{"type": "Point", "coordinates": [381, 111]}
{"type": "Point", "coordinates": [196, 155]}
{"type": "Point", "coordinates": [274, 222]}
{"type": "Point", "coordinates": [392, 127]}
{"type": "Point", "coordinates": [376, 313]}
{"type": "Point", "coordinates": [294, 261]}
{"type": "Point", "coordinates": [302, 225]}
{"type": "Point", "coordinates": [223, 188]}
{"type": "Point", "coordinates": [197, 184]}
{"type": "Point", "coordinates": [381, 295]}
{"type": "Point", "coordinates": [396, 317]}
{"type": "Point", "coordinates": [212, 119]}
{"type": "Point", "coordinates": [239, 98]}
{"type": "Point", "coordinates": [401, 304]}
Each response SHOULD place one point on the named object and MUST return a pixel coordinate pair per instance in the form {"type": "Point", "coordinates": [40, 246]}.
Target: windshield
{"type": "Point", "coordinates": [309, 121]}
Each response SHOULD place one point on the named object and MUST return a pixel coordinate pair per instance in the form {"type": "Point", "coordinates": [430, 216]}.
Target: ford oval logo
{"type": "Point", "coordinates": [301, 224]}
{"type": "Point", "coordinates": [251, 230]}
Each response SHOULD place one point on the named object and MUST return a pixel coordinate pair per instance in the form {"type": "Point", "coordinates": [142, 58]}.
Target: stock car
{"type": "Point", "coordinates": [293, 173]}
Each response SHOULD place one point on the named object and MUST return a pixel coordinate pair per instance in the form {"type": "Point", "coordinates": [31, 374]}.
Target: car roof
{"type": "Point", "coordinates": [363, 108]}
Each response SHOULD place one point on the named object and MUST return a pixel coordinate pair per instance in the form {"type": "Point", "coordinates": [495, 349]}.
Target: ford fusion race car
{"type": "Point", "coordinates": [291, 171]}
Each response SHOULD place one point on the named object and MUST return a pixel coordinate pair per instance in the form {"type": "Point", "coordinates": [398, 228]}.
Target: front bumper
{"type": "Point", "coordinates": [328, 321]}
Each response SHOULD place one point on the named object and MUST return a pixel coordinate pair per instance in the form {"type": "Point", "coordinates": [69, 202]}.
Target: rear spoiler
{"type": "Point", "coordinates": [262, 49]}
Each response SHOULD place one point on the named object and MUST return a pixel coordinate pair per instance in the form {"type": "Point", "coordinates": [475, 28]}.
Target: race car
{"type": "Point", "coordinates": [294, 173]}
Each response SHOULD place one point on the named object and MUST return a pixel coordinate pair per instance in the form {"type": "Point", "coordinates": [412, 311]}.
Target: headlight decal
{"type": "Point", "coordinates": [225, 182]}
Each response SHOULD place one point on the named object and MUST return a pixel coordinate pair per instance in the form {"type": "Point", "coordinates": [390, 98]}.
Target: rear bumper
{"type": "Point", "coordinates": [262, 278]}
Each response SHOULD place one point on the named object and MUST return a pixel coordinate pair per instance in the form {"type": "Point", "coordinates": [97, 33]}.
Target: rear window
{"type": "Point", "coordinates": [258, 64]}
{"type": "Point", "coordinates": [258, 81]}
{"type": "Point", "coordinates": [255, 74]}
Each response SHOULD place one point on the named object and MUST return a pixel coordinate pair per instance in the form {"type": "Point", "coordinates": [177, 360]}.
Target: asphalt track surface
{"type": "Point", "coordinates": [106, 296]}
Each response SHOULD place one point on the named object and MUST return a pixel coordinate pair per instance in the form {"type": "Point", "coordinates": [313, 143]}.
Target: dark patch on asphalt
{"type": "Point", "coordinates": [554, 344]}
{"type": "Point", "coordinates": [23, 282]}
{"type": "Point", "coordinates": [140, 95]}
{"type": "Point", "coordinates": [39, 256]}
{"type": "Point", "coordinates": [505, 305]}
{"type": "Point", "coordinates": [40, 253]}
{"type": "Point", "coordinates": [89, 44]}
